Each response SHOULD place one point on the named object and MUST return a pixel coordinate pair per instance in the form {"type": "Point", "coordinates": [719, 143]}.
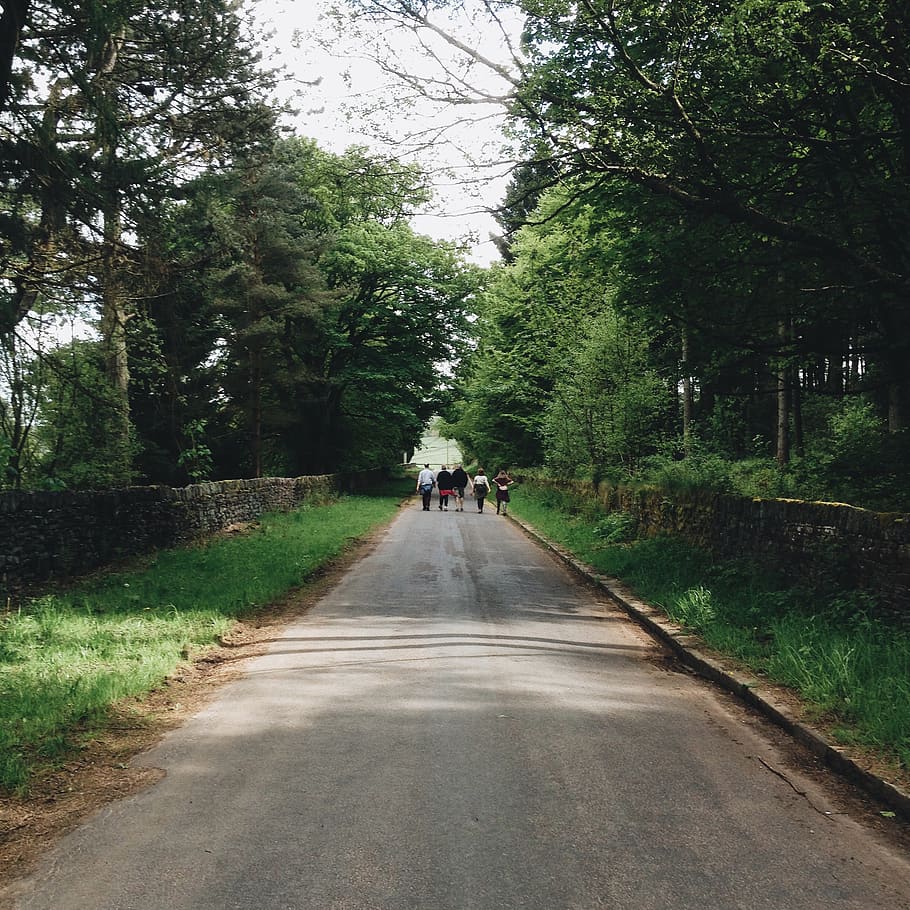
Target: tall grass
{"type": "Point", "coordinates": [848, 661]}
{"type": "Point", "coordinates": [69, 656]}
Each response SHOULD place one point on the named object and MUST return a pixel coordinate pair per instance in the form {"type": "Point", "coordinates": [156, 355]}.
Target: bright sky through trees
{"type": "Point", "coordinates": [337, 92]}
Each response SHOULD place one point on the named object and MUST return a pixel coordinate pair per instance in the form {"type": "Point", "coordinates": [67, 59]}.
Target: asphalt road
{"type": "Point", "coordinates": [460, 724]}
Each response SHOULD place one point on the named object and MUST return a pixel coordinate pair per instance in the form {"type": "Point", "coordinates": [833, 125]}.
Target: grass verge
{"type": "Point", "coordinates": [68, 657]}
{"type": "Point", "coordinates": [849, 663]}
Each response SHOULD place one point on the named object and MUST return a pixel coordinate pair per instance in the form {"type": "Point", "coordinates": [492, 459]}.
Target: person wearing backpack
{"type": "Point", "coordinates": [481, 488]}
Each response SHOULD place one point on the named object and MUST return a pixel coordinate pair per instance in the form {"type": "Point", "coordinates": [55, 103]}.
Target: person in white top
{"type": "Point", "coordinates": [481, 488]}
{"type": "Point", "coordinates": [426, 480]}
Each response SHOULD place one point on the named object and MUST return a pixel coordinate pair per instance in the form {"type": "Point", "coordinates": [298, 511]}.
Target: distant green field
{"type": "Point", "coordinates": [436, 451]}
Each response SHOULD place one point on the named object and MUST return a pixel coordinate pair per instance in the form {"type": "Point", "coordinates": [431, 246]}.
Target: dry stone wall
{"type": "Point", "coordinates": [823, 542]}
{"type": "Point", "coordinates": [58, 535]}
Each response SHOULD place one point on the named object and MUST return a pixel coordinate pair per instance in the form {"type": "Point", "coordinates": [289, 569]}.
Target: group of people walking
{"type": "Point", "coordinates": [455, 483]}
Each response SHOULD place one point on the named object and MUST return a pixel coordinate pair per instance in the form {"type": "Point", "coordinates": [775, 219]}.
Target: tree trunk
{"type": "Point", "coordinates": [897, 406]}
{"type": "Point", "coordinates": [783, 399]}
{"type": "Point", "coordinates": [12, 20]}
{"type": "Point", "coordinates": [115, 306]}
{"type": "Point", "coordinates": [114, 317]}
{"type": "Point", "coordinates": [687, 402]}
{"type": "Point", "coordinates": [895, 370]}
{"type": "Point", "coordinates": [31, 281]}
{"type": "Point", "coordinates": [13, 420]}
{"type": "Point", "coordinates": [256, 411]}
{"type": "Point", "coordinates": [836, 379]}
{"type": "Point", "coordinates": [856, 367]}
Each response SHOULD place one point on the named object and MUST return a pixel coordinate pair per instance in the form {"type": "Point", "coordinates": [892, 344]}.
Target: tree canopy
{"type": "Point", "coordinates": [747, 166]}
{"type": "Point", "coordinates": [705, 245]}
{"type": "Point", "coordinates": [258, 304]}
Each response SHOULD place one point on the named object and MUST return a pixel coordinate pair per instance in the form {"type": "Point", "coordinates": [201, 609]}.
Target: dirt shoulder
{"type": "Point", "coordinates": [60, 800]}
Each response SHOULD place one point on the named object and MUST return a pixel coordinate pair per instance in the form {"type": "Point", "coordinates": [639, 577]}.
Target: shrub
{"type": "Point", "coordinates": [616, 527]}
{"type": "Point", "coordinates": [700, 470]}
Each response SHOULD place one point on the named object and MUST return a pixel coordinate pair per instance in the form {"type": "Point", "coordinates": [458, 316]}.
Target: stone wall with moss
{"type": "Point", "coordinates": [823, 542]}
{"type": "Point", "coordinates": [52, 536]}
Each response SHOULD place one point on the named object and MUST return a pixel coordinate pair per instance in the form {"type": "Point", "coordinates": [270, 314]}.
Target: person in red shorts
{"type": "Point", "coordinates": [444, 485]}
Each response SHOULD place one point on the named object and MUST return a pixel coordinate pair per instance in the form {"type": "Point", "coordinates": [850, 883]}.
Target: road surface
{"type": "Point", "coordinates": [460, 724]}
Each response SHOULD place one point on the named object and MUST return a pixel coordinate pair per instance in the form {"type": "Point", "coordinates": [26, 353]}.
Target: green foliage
{"type": "Point", "coordinates": [331, 319]}
{"type": "Point", "coordinates": [761, 477]}
{"type": "Point", "coordinates": [405, 302]}
{"type": "Point", "coordinates": [725, 428]}
{"type": "Point", "coordinates": [699, 469]}
{"type": "Point", "coordinates": [615, 527]}
{"type": "Point", "coordinates": [743, 253]}
{"type": "Point", "coordinates": [716, 202]}
{"type": "Point", "coordinates": [606, 402]}
{"type": "Point", "coordinates": [857, 460]}
{"type": "Point", "coordinates": [694, 608]}
{"type": "Point", "coordinates": [851, 459]}
{"type": "Point", "coordinates": [856, 435]}
{"type": "Point", "coordinates": [196, 458]}
{"type": "Point", "coordinates": [684, 108]}
{"type": "Point", "coordinates": [113, 107]}
{"type": "Point", "coordinates": [6, 455]}
{"type": "Point", "coordinates": [75, 445]}
{"type": "Point", "coordinates": [533, 315]}
{"type": "Point", "coordinates": [267, 291]}
{"type": "Point", "coordinates": [855, 673]}
{"type": "Point", "coordinates": [68, 657]}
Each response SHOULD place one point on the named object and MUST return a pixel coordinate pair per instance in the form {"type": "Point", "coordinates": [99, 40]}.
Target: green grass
{"type": "Point", "coordinates": [68, 657]}
{"type": "Point", "coordinates": [848, 661]}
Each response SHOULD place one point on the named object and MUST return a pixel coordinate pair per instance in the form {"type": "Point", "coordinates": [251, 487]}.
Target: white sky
{"type": "Point", "coordinates": [328, 115]}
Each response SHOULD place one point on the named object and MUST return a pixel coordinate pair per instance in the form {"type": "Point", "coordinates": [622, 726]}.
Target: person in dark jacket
{"type": "Point", "coordinates": [459, 485]}
{"type": "Point", "coordinates": [444, 485]}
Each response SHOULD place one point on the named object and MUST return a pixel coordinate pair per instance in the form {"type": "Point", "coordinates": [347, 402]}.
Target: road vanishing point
{"type": "Point", "coordinates": [460, 724]}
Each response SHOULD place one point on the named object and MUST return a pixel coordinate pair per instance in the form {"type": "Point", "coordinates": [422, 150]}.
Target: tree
{"type": "Point", "coordinates": [299, 317]}
{"type": "Point", "coordinates": [77, 415]}
{"type": "Point", "coordinates": [402, 317]}
{"type": "Point", "coordinates": [607, 404]}
{"type": "Point", "coordinates": [114, 105]}
{"type": "Point", "coordinates": [13, 19]}
{"type": "Point", "coordinates": [533, 316]}
{"type": "Point", "coordinates": [18, 407]}
{"type": "Point", "coordinates": [788, 120]}
{"type": "Point", "coordinates": [269, 295]}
